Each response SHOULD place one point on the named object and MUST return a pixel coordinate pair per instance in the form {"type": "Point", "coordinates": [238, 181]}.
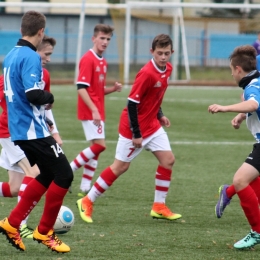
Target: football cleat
{"type": "Point", "coordinates": [249, 241]}
{"type": "Point", "coordinates": [25, 231]}
{"type": "Point", "coordinates": [12, 234]}
{"type": "Point", "coordinates": [223, 201]}
{"type": "Point", "coordinates": [51, 241]}
{"type": "Point", "coordinates": [160, 211]}
{"type": "Point", "coordinates": [82, 194]}
{"type": "Point", "coordinates": [85, 206]}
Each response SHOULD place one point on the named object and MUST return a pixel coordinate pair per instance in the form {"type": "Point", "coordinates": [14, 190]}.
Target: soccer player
{"type": "Point", "coordinates": [256, 43]}
{"type": "Point", "coordinates": [26, 105]}
{"type": "Point", "coordinates": [243, 69]}
{"type": "Point", "coordinates": [12, 158]}
{"type": "Point", "coordinates": [91, 85]}
{"type": "Point", "coordinates": [140, 127]}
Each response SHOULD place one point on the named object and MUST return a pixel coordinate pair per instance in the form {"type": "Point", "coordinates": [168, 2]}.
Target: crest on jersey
{"type": "Point", "coordinates": [105, 69]}
{"type": "Point", "coordinates": [101, 77]}
{"type": "Point", "coordinates": [97, 69]}
{"type": "Point", "coordinates": [158, 84]}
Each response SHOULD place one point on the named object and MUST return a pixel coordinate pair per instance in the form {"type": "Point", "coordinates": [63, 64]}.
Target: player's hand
{"type": "Point", "coordinates": [237, 120]}
{"type": "Point", "coordinates": [48, 106]}
{"type": "Point", "coordinates": [118, 87]}
{"type": "Point", "coordinates": [96, 118]}
{"type": "Point", "coordinates": [164, 121]}
{"type": "Point", "coordinates": [215, 108]}
{"type": "Point", "coordinates": [57, 138]}
{"type": "Point", "coordinates": [137, 142]}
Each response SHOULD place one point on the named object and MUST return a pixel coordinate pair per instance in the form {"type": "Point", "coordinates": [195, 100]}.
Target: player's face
{"type": "Point", "coordinates": [101, 41]}
{"type": "Point", "coordinates": [161, 56]}
{"type": "Point", "coordinates": [235, 72]}
{"type": "Point", "coordinates": [46, 53]}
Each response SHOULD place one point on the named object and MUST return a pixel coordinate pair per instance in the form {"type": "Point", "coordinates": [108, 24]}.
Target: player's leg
{"type": "Point", "coordinates": [125, 153]}
{"type": "Point", "coordinates": [226, 192]}
{"type": "Point", "coordinates": [9, 157]}
{"type": "Point", "coordinates": [160, 146]}
{"type": "Point", "coordinates": [53, 165]}
{"type": "Point", "coordinates": [249, 203]}
{"type": "Point", "coordinates": [89, 168]}
{"type": "Point", "coordinates": [89, 156]}
{"type": "Point", "coordinates": [31, 173]}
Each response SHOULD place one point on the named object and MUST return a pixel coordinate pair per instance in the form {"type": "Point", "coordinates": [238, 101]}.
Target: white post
{"type": "Point", "coordinates": [80, 37]}
{"type": "Point", "coordinates": [175, 33]}
{"type": "Point", "coordinates": [184, 45]}
{"type": "Point", "coordinates": [127, 44]}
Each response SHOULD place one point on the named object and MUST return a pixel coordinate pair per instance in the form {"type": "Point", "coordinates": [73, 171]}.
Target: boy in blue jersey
{"type": "Point", "coordinates": [243, 68]}
{"type": "Point", "coordinates": [26, 104]}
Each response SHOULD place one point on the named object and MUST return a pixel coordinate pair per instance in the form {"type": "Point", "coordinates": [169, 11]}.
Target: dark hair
{"type": "Point", "coordinates": [46, 40]}
{"type": "Point", "coordinates": [105, 28]}
{"type": "Point", "coordinates": [162, 41]}
{"type": "Point", "coordinates": [32, 22]}
{"type": "Point", "coordinates": [245, 57]}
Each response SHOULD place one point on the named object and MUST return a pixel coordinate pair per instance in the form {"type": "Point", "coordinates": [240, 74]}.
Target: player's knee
{"type": "Point", "coordinates": [65, 179]}
{"type": "Point", "coordinates": [14, 190]}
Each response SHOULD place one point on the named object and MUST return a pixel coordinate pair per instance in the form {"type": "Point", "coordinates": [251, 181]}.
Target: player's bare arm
{"type": "Point", "coordinates": [86, 98]}
{"type": "Point", "coordinates": [164, 121]}
{"type": "Point", "coordinates": [243, 107]}
{"type": "Point", "coordinates": [237, 120]}
{"type": "Point", "coordinates": [116, 88]}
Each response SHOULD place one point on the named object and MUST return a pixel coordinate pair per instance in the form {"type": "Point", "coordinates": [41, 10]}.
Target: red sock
{"type": "Point", "coordinates": [231, 191]}
{"type": "Point", "coordinates": [97, 149]}
{"type": "Point", "coordinates": [30, 198]}
{"type": "Point", "coordinates": [53, 201]}
{"type": "Point", "coordinates": [162, 183]}
{"type": "Point", "coordinates": [6, 190]}
{"type": "Point", "coordinates": [103, 182]}
{"type": "Point", "coordinates": [249, 203]}
{"type": "Point", "coordinates": [255, 184]}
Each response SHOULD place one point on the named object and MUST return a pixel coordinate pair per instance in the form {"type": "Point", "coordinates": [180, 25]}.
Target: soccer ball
{"type": "Point", "coordinates": [64, 221]}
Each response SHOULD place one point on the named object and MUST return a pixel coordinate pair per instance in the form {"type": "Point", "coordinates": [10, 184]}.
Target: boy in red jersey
{"type": "Point", "coordinates": [140, 127]}
{"type": "Point", "coordinates": [12, 158]}
{"type": "Point", "coordinates": [91, 109]}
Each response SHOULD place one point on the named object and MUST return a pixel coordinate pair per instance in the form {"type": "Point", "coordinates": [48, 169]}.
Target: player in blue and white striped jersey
{"type": "Point", "coordinates": [246, 75]}
{"type": "Point", "coordinates": [26, 104]}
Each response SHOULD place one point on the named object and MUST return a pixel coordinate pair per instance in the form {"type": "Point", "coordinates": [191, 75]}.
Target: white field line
{"type": "Point", "coordinates": [177, 142]}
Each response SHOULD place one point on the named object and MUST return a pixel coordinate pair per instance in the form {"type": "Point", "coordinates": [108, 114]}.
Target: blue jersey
{"type": "Point", "coordinates": [252, 92]}
{"type": "Point", "coordinates": [23, 73]}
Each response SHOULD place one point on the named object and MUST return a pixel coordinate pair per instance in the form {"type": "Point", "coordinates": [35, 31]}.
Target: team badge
{"type": "Point", "coordinates": [158, 84]}
{"type": "Point", "coordinates": [97, 69]}
{"type": "Point", "coordinates": [105, 69]}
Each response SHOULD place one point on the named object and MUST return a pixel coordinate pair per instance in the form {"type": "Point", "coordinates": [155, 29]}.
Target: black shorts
{"type": "Point", "coordinates": [254, 157]}
{"type": "Point", "coordinates": [49, 157]}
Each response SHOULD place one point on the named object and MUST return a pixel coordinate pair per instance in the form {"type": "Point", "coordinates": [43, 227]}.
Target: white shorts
{"type": "Point", "coordinates": [10, 155]}
{"type": "Point", "coordinates": [158, 141]}
{"type": "Point", "coordinates": [93, 132]}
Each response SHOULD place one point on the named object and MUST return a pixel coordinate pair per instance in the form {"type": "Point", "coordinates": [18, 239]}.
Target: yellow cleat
{"type": "Point", "coordinates": [12, 234]}
{"type": "Point", "coordinates": [51, 241]}
{"type": "Point", "coordinates": [160, 211]}
{"type": "Point", "coordinates": [85, 206]}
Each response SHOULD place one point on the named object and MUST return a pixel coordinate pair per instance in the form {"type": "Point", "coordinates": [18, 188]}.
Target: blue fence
{"type": "Point", "coordinates": [202, 50]}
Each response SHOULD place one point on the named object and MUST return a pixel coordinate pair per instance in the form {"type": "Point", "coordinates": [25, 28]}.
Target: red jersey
{"type": "Point", "coordinates": [4, 132]}
{"type": "Point", "coordinates": [92, 73]}
{"type": "Point", "coordinates": [147, 91]}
